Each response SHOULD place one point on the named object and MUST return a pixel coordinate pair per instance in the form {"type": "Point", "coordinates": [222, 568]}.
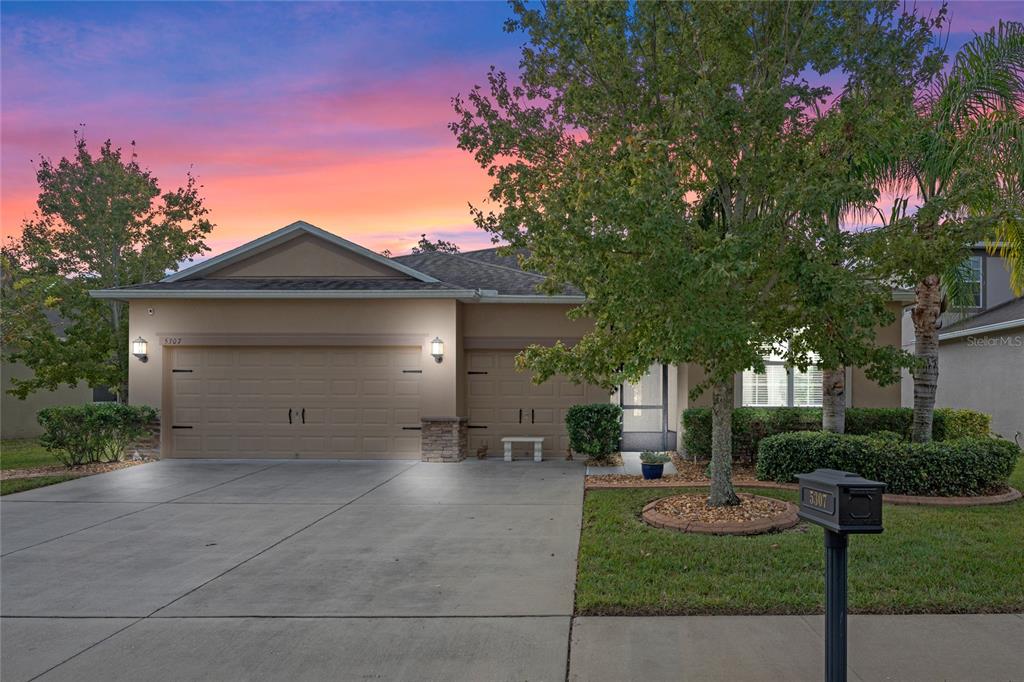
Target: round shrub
{"type": "Point", "coordinates": [966, 466]}
{"type": "Point", "coordinates": [594, 430]}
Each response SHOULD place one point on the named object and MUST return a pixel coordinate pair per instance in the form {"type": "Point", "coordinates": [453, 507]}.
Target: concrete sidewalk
{"type": "Point", "coordinates": [737, 648]}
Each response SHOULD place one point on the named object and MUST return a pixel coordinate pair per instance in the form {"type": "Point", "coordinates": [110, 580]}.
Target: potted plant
{"type": "Point", "coordinates": [653, 464]}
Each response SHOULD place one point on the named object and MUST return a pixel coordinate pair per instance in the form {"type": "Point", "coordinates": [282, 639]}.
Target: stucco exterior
{"type": "Point", "coordinates": [985, 373]}
{"type": "Point", "coordinates": [18, 417]}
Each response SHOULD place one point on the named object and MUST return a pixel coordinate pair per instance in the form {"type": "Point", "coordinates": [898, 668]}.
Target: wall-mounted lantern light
{"type": "Point", "coordinates": [140, 348]}
{"type": "Point", "coordinates": [437, 349]}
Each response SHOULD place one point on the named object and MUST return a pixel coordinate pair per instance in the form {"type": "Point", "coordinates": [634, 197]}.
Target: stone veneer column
{"type": "Point", "coordinates": [444, 439]}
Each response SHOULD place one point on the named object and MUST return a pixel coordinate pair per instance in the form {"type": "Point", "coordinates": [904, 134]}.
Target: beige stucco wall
{"type": "Point", "coordinates": [296, 322]}
{"type": "Point", "coordinates": [522, 320]}
{"type": "Point", "coordinates": [863, 391]}
{"type": "Point", "coordinates": [985, 373]}
{"type": "Point", "coordinates": [305, 256]}
{"type": "Point", "coordinates": [18, 417]}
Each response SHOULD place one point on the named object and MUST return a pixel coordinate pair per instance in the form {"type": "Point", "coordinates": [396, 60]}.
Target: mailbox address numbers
{"type": "Point", "coordinates": [820, 500]}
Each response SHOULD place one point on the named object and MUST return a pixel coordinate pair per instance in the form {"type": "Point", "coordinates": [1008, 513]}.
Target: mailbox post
{"type": "Point", "coordinates": [842, 503]}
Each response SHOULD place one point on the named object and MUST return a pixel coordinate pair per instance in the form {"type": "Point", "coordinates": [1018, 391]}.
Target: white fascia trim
{"type": "Point", "coordinates": [983, 329]}
{"type": "Point", "coordinates": [267, 240]}
{"type": "Point", "coordinates": [137, 294]}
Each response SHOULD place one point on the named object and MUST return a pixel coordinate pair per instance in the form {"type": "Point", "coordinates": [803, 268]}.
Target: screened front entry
{"type": "Point", "coordinates": [645, 412]}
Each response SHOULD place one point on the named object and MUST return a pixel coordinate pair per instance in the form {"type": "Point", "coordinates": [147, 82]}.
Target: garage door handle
{"type": "Point", "coordinates": [289, 415]}
{"type": "Point", "coordinates": [531, 416]}
{"type": "Point", "coordinates": [303, 415]}
{"type": "Point", "coordinates": [520, 415]}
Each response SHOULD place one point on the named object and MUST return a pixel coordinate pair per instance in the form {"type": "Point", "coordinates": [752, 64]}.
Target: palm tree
{"type": "Point", "coordinates": [958, 156]}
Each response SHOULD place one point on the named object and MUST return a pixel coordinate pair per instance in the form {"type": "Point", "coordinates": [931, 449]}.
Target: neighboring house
{"type": "Point", "coordinates": [981, 366]}
{"type": "Point", "coordinates": [304, 344]}
{"type": "Point", "coordinates": [976, 380]}
{"type": "Point", "coordinates": [18, 417]}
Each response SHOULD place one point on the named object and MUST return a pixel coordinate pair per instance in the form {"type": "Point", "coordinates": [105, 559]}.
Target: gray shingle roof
{"type": "Point", "coordinates": [479, 270]}
{"type": "Point", "coordinates": [1004, 312]}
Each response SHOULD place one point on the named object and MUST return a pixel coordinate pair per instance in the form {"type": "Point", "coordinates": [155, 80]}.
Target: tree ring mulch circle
{"type": "Point", "coordinates": [690, 514]}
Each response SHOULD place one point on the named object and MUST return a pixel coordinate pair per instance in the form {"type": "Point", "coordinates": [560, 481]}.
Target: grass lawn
{"type": "Point", "coordinates": [928, 560]}
{"type": "Point", "coordinates": [24, 453]}
{"type": "Point", "coordinates": [17, 485]}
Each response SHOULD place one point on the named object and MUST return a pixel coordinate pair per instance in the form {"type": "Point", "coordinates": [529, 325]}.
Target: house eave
{"type": "Point", "coordinates": [151, 294]}
{"type": "Point", "coordinates": [981, 330]}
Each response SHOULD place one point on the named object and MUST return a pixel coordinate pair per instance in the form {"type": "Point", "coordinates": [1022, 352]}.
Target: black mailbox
{"type": "Point", "coordinates": [841, 502]}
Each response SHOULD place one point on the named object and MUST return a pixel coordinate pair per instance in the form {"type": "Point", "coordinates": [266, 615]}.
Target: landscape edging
{"type": "Point", "coordinates": [787, 519]}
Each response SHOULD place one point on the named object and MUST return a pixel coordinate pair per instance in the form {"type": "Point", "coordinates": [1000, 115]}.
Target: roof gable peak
{"type": "Point", "coordinates": [286, 234]}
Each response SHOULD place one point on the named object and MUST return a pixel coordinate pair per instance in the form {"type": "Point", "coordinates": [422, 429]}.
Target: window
{"type": "Point", "coordinates": [781, 386]}
{"type": "Point", "coordinates": [974, 275]}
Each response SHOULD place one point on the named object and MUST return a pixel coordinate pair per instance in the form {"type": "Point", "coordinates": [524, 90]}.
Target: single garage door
{"type": "Point", "coordinates": [503, 402]}
{"type": "Point", "coordinates": [296, 402]}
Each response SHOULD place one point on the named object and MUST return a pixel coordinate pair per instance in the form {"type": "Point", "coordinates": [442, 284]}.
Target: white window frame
{"type": "Point", "coordinates": [770, 361]}
{"type": "Point", "coordinates": [979, 301]}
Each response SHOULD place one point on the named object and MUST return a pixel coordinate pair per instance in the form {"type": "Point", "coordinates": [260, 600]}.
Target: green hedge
{"type": "Point", "coordinates": [594, 430]}
{"type": "Point", "coordinates": [751, 424]}
{"type": "Point", "coordinates": [95, 432]}
{"type": "Point", "coordinates": [965, 466]}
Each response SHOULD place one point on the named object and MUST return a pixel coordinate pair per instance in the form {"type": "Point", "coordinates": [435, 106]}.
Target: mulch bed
{"type": "Point", "coordinates": [78, 471]}
{"type": "Point", "coordinates": [690, 514]}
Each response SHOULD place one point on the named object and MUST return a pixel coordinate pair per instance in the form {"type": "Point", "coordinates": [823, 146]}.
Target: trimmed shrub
{"type": "Point", "coordinates": [962, 424]}
{"type": "Point", "coordinates": [966, 466]}
{"type": "Point", "coordinates": [594, 430]}
{"type": "Point", "coordinates": [751, 424]}
{"type": "Point", "coordinates": [94, 432]}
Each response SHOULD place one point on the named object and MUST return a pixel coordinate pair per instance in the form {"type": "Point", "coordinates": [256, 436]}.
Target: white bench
{"type": "Point", "coordinates": [538, 443]}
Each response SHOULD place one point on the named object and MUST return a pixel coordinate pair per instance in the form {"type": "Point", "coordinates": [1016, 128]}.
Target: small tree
{"type": "Point", "coordinates": [101, 222]}
{"type": "Point", "coordinates": [440, 246]}
{"type": "Point", "coordinates": [662, 158]}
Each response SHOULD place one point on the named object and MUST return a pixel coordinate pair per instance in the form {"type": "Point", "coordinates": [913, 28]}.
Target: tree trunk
{"type": "Point", "coordinates": [833, 400]}
{"type": "Point", "coordinates": [722, 493]}
{"type": "Point", "coordinates": [925, 316]}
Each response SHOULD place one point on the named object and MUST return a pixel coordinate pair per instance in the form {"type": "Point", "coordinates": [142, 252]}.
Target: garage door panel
{"type": "Point", "coordinates": [498, 398]}
{"type": "Point", "coordinates": [237, 401]}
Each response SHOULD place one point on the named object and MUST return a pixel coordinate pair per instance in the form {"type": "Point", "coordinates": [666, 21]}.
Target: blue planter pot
{"type": "Point", "coordinates": [652, 471]}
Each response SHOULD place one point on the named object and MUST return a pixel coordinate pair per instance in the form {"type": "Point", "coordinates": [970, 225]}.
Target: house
{"type": "Point", "coordinates": [17, 416]}
{"type": "Point", "coordinates": [304, 344]}
{"type": "Point", "coordinates": [981, 360]}
{"type": "Point", "coordinates": [981, 366]}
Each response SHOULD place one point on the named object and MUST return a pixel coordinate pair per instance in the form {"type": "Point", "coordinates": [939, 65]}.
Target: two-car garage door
{"type": "Point", "coordinates": [343, 402]}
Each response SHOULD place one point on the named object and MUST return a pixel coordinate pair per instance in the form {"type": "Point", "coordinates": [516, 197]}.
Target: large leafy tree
{"type": "Point", "coordinates": [102, 221]}
{"type": "Point", "coordinates": [663, 157]}
{"type": "Point", "coordinates": [954, 168]}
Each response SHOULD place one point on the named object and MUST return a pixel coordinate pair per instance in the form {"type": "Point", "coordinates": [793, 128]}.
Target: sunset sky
{"type": "Point", "coordinates": [333, 113]}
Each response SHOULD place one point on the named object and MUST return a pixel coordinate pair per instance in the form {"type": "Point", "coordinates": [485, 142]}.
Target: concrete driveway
{"type": "Point", "coordinates": [293, 570]}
